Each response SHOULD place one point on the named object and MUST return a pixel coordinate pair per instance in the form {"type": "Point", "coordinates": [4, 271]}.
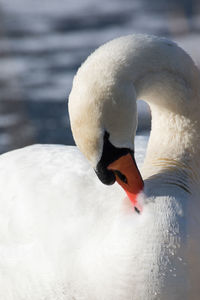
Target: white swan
{"type": "Point", "coordinates": [63, 234]}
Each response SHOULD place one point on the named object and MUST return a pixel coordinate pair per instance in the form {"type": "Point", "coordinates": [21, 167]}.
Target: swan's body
{"type": "Point", "coordinates": [66, 236]}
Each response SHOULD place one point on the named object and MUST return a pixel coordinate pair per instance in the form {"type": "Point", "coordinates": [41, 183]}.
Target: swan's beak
{"type": "Point", "coordinates": [128, 176]}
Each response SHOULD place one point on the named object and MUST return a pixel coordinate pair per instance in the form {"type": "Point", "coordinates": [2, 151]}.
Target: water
{"type": "Point", "coordinates": [42, 43]}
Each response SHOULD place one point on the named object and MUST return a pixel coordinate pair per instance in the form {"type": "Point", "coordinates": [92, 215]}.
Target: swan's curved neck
{"type": "Point", "coordinates": [134, 67]}
{"type": "Point", "coordinates": [166, 77]}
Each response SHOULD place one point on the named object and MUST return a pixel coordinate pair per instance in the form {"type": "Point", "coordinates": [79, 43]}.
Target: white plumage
{"type": "Point", "coordinates": [66, 236]}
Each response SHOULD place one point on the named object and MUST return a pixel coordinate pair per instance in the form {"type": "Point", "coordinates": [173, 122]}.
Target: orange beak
{"type": "Point", "coordinates": [128, 176]}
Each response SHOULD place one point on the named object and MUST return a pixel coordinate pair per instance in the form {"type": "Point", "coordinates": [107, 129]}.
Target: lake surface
{"type": "Point", "coordinates": [42, 43]}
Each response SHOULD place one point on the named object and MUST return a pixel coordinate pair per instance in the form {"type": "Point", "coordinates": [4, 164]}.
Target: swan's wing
{"type": "Point", "coordinates": [47, 194]}
{"type": "Point", "coordinates": [47, 212]}
{"type": "Point", "coordinates": [55, 217]}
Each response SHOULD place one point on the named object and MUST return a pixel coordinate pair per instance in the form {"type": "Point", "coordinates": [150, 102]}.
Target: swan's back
{"type": "Point", "coordinates": [56, 242]}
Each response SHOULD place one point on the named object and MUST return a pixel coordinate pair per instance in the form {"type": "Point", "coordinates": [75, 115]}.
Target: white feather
{"type": "Point", "coordinates": [66, 236]}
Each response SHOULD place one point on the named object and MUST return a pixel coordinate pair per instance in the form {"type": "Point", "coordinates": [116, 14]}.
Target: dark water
{"type": "Point", "coordinates": [42, 43]}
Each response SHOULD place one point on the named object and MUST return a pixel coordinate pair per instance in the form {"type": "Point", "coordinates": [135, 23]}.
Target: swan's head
{"type": "Point", "coordinates": [103, 116]}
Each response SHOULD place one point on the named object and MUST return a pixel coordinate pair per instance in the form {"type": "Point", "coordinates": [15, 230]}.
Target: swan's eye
{"type": "Point", "coordinates": [121, 176]}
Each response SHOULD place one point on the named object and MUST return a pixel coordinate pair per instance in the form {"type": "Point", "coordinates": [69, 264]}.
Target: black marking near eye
{"type": "Point", "coordinates": [121, 176]}
{"type": "Point", "coordinates": [110, 154]}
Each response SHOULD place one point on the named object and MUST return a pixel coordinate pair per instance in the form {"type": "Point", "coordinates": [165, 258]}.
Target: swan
{"type": "Point", "coordinates": [67, 232]}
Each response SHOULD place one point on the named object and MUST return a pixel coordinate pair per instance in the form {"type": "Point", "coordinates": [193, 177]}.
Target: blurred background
{"type": "Point", "coordinates": [42, 43]}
